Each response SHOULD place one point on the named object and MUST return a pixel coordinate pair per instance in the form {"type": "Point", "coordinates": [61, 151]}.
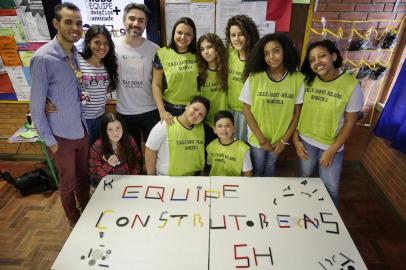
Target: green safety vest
{"type": "Point", "coordinates": [235, 82]}
{"type": "Point", "coordinates": [226, 160]}
{"type": "Point", "coordinates": [273, 104]}
{"type": "Point", "coordinates": [217, 96]}
{"type": "Point", "coordinates": [324, 104]}
{"type": "Point", "coordinates": [186, 149]}
{"type": "Point", "coordinates": [181, 75]}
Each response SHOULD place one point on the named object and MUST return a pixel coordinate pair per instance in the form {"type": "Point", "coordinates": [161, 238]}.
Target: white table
{"type": "Point", "coordinates": [152, 222]}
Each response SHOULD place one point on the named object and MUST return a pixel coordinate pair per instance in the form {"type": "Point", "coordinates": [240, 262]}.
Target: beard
{"type": "Point", "coordinates": [135, 32]}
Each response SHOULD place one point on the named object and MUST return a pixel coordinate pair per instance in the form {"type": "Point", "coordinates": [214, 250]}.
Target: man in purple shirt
{"type": "Point", "coordinates": [55, 77]}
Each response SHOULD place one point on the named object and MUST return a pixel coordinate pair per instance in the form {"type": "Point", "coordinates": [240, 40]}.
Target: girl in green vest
{"type": "Point", "coordinates": [272, 97]}
{"type": "Point", "coordinates": [174, 76]}
{"type": "Point", "coordinates": [226, 155]}
{"type": "Point", "coordinates": [331, 104]}
{"type": "Point", "coordinates": [178, 149]}
{"type": "Point", "coordinates": [212, 66]}
{"type": "Point", "coordinates": [241, 36]}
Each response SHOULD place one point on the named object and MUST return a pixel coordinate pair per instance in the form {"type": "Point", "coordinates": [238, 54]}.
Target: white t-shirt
{"type": "Point", "coordinates": [355, 104]}
{"type": "Point", "coordinates": [158, 141]}
{"type": "Point", "coordinates": [134, 89]}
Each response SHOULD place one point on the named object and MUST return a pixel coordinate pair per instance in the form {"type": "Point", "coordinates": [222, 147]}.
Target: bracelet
{"type": "Point", "coordinates": [285, 143]}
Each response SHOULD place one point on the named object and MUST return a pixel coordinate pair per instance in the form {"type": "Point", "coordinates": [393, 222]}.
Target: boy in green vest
{"type": "Point", "coordinates": [178, 149]}
{"type": "Point", "coordinates": [226, 155]}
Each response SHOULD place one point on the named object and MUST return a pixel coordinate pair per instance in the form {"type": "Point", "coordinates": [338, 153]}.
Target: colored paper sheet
{"type": "Point", "coordinates": [20, 84]}
{"type": "Point", "coordinates": [5, 84]}
{"type": "Point", "coordinates": [8, 12]}
{"type": "Point", "coordinates": [31, 14]}
{"type": "Point", "coordinates": [11, 26]}
{"type": "Point", "coordinates": [25, 57]}
{"type": "Point", "coordinates": [11, 96]}
{"type": "Point", "coordinates": [8, 51]}
{"type": "Point", "coordinates": [280, 11]}
{"type": "Point", "coordinates": [7, 4]}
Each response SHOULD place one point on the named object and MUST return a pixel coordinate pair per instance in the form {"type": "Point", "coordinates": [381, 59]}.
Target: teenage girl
{"type": "Point", "coordinates": [272, 97]}
{"type": "Point", "coordinates": [241, 36]}
{"type": "Point", "coordinates": [176, 63]}
{"type": "Point", "coordinates": [115, 152]}
{"type": "Point", "coordinates": [98, 67]}
{"type": "Point", "coordinates": [331, 104]}
{"type": "Point", "coordinates": [212, 66]}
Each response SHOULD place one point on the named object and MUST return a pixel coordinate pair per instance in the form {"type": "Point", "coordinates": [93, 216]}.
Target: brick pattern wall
{"type": "Point", "coordinates": [387, 167]}
{"type": "Point", "coordinates": [360, 10]}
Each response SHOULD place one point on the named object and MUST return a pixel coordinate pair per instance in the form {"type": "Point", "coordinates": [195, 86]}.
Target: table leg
{"type": "Point", "coordinates": [50, 165]}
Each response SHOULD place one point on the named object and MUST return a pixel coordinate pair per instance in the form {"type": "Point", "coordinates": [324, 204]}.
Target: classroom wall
{"type": "Point", "coordinates": [12, 117]}
{"type": "Point", "coordinates": [387, 167]}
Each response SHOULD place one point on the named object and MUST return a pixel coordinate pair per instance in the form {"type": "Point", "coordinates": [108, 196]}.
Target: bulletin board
{"type": "Point", "coordinates": [23, 29]}
{"type": "Point", "coordinates": [159, 222]}
{"type": "Point", "coordinates": [212, 16]}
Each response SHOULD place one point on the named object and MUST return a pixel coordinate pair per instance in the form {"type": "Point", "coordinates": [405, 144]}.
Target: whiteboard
{"type": "Point", "coordinates": [162, 222]}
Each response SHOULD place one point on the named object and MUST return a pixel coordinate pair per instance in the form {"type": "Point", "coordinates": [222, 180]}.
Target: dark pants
{"type": "Point", "coordinates": [71, 160]}
{"type": "Point", "coordinates": [139, 125]}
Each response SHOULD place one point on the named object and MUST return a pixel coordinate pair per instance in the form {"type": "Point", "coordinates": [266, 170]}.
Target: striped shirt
{"type": "Point", "coordinates": [95, 81]}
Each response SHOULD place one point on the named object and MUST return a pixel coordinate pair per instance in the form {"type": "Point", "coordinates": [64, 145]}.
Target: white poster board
{"type": "Point", "coordinates": [278, 223]}
{"type": "Point", "coordinates": [202, 14]}
{"type": "Point", "coordinates": [225, 9]}
{"type": "Point", "coordinates": [141, 222]}
{"type": "Point", "coordinates": [151, 222]}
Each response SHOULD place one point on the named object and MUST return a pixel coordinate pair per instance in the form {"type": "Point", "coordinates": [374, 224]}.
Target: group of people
{"type": "Point", "coordinates": [196, 103]}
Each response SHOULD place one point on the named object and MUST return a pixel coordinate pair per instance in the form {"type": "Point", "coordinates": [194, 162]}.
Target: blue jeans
{"type": "Point", "coordinates": [263, 161]}
{"type": "Point", "coordinates": [330, 176]}
{"type": "Point", "coordinates": [93, 126]}
{"type": "Point", "coordinates": [240, 126]}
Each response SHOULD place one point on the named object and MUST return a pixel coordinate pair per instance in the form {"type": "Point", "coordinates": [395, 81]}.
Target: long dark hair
{"type": "Point", "coordinates": [221, 60]}
{"type": "Point", "coordinates": [248, 28]}
{"type": "Point", "coordinates": [187, 21]}
{"type": "Point", "coordinates": [256, 62]}
{"type": "Point", "coordinates": [110, 60]}
{"type": "Point", "coordinates": [330, 47]}
{"type": "Point", "coordinates": [125, 142]}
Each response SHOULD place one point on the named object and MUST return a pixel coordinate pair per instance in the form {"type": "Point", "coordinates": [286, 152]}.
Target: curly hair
{"type": "Point", "coordinates": [110, 60]}
{"type": "Point", "coordinates": [256, 62]}
{"type": "Point", "coordinates": [248, 28]}
{"type": "Point", "coordinates": [125, 142]}
{"type": "Point", "coordinates": [330, 47]}
{"type": "Point", "coordinates": [192, 45]}
{"type": "Point", "coordinates": [221, 60]}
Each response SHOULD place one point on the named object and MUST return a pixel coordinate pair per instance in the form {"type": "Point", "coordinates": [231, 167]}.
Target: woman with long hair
{"type": "Point", "coordinates": [98, 65]}
{"type": "Point", "coordinates": [115, 152]}
{"type": "Point", "coordinates": [212, 66]}
{"type": "Point", "coordinates": [331, 104]}
{"type": "Point", "coordinates": [241, 36]}
{"type": "Point", "coordinates": [272, 97]}
{"type": "Point", "coordinates": [174, 77]}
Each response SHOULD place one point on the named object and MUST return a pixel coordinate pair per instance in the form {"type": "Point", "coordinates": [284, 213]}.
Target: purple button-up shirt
{"type": "Point", "coordinates": [53, 78]}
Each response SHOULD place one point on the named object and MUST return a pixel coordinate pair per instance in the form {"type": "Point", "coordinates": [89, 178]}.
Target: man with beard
{"type": "Point", "coordinates": [135, 102]}
{"type": "Point", "coordinates": [56, 77]}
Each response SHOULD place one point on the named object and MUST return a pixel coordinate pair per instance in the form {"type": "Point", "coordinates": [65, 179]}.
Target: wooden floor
{"type": "Point", "coordinates": [34, 228]}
